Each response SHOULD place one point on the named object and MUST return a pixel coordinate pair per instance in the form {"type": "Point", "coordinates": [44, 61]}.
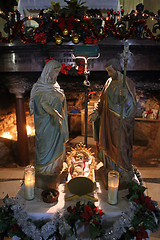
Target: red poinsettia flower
{"type": "Point", "coordinates": [86, 217]}
{"type": "Point", "coordinates": [100, 212]}
{"type": "Point", "coordinates": [87, 214]}
{"type": "Point", "coordinates": [95, 222]}
{"type": "Point", "coordinates": [80, 69]}
{"type": "Point", "coordinates": [48, 60]}
{"type": "Point", "coordinates": [69, 67]}
{"type": "Point", "coordinates": [94, 41]}
{"type": "Point", "coordinates": [142, 234]}
{"type": "Point", "coordinates": [147, 201]}
{"type": "Point", "coordinates": [82, 62]}
{"type": "Point", "coordinates": [63, 65]}
{"type": "Point", "coordinates": [137, 201]}
{"type": "Point", "coordinates": [40, 38]}
{"type": "Point", "coordinates": [74, 209]}
{"type": "Point", "coordinates": [64, 71]}
{"type": "Point", "coordinates": [88, 40]}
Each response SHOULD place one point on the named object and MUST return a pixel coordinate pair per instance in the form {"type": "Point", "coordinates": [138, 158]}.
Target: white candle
{"type": "Point", "coordinates": [113, 183]}
{"type": "Point", "coordinates": [29, 182]}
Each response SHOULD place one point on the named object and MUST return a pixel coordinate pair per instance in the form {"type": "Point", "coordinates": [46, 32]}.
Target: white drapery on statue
{"type": "Point", "coordinates": [44, 4]}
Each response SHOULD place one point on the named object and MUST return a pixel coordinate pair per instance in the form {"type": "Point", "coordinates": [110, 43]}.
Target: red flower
{"type": "Point", "coordinates": [142, 234]}
{"type": "Point", "coordinates": [70, 23]}
{"type": "Point", "coordinates": [87, 214]}
{"type": "Point", "coordinates": [40, 38]}
{"type": "Point", "coordinates": [63, 70]}
{"type": "Point", "coordinates": [69, 67]}
{"type": "Point", "coordinates": [147, 202]}
{"type": "Point", "coordinates": [82, 63]}
{"type": "Point", "coordinates": [137, 201]}
{"type": "Point", "coordinates": [80, 69]}
{"type": "Point", "coordinates": [61, 23]}
{"type": "Point", "coordinates": [95, 222]}
{"type": "Point", "coordinates": [95, 209]}
{"type": "Point", "coordinates": [100, 212]}
{"type": "Point", "coordinates": [150, 206]}
{"type": "Point", "coordinates": [48, 60]}
{"type": "Point", "coordinates": [94, 41]}
{"type": "Point", "coordinates": [63, 65]}
{"type": "Point", "coordinates": [88, 40]}
{"type": "Point", "coordinates": [74, 209]}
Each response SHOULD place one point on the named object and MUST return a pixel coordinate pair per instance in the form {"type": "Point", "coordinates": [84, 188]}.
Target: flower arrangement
{"type": "Point", "coordinates": [145, 217]}
{"type": "Point", "coordinates": [77, 23]}
{"type": "Point", "coordinates": [88, 214]}
{"type": "Point", "coordinates": [69, 69]}
{"type": "Point", "coordinates": [72, 70]}
{"type": "Point", "coordinates": [143, 214]}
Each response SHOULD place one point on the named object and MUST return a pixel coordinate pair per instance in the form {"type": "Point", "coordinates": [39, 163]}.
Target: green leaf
{"type": "Point", "coordinates": [134, 197]}
{"type": "Point", "coordinates": [94, 231]}
{"type": "Point", "coordinates": [5, 198]}
{"type": "Point", "coordinates": [136, 221]}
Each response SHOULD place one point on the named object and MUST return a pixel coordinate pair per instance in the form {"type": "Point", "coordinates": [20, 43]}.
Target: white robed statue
{"type": "Point", "coordinates": [48, 104]}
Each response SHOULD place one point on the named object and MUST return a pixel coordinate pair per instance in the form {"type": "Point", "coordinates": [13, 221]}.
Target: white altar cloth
{"type": "Point", "coordinates": [37, 209]}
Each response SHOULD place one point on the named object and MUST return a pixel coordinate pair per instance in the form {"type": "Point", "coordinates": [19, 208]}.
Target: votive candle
{"type": "Point", "coordinates": [113, 184]}
{"type": "Point", "coordinates": [29, 181]}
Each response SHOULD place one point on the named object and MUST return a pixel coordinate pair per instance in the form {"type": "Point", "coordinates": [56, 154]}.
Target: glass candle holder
{"type": "Point", "coordinates": [113, 184]}
{"type": "Point", "coordinates": [29, 181]}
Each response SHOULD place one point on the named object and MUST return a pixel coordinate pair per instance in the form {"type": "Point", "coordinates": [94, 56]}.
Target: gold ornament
{"type": "Point", "coordinates": [65, 32]}
{"type": "Point", "coordinates": [75, 39]}
{"type": "Point", "coordinates": [58, 40]}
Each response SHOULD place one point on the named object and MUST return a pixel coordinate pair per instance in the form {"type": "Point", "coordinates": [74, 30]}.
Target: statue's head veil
{"type": "Point", "coordinates": [45, 83]}
{"type": "Point", "coordinates": [51, 66]}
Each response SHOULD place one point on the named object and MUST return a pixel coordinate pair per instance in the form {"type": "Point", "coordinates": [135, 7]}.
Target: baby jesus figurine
{"type": "Point", "coordinates": [81, 164]}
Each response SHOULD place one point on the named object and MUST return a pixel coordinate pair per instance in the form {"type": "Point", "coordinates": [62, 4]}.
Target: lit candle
{"type": "Point", "coordinates": [29, 181]}
{"type": "Point", "coordinates": [113, 183]}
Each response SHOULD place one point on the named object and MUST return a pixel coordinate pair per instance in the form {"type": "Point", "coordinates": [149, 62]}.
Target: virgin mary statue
{"type": "Point", "coordinates": [48, 104]}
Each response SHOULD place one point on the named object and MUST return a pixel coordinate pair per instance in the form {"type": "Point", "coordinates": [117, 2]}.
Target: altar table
{"type": "Point", "coordinates": [37, 209]}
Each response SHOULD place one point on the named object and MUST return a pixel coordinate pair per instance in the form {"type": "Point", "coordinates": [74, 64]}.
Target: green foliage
{"type": "Point", "coordinates": [88, 214]}
{"type": "Point", "coordinates": [134, 190]}
{"type": "Point", "coordinates": [75, 8]}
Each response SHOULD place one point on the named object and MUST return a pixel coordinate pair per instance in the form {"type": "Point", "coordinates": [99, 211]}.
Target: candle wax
{"type": "Point", "coordinates": [112, 195]}
{"type": "Point", "coordinates": [29, 189]}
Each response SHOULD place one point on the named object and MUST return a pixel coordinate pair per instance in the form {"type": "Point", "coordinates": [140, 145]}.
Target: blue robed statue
{"type": "Point", "coordinates": [48, 104]}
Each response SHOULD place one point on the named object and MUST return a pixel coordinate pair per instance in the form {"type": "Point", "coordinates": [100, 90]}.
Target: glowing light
{"type": "Point", "coordinates": [6, 135]}
{"type": "Point", "coordinates": [107, 18]}
{"type": "Point", "coordinates": [30, 131]}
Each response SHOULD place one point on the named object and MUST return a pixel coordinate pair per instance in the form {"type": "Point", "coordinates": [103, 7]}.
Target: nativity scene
{"type": "Point", "coordinates": [77, 191]}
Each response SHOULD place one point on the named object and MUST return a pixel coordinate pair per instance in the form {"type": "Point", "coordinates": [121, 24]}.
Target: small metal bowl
{"type": "Point", "coordinates": [50, 195]}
